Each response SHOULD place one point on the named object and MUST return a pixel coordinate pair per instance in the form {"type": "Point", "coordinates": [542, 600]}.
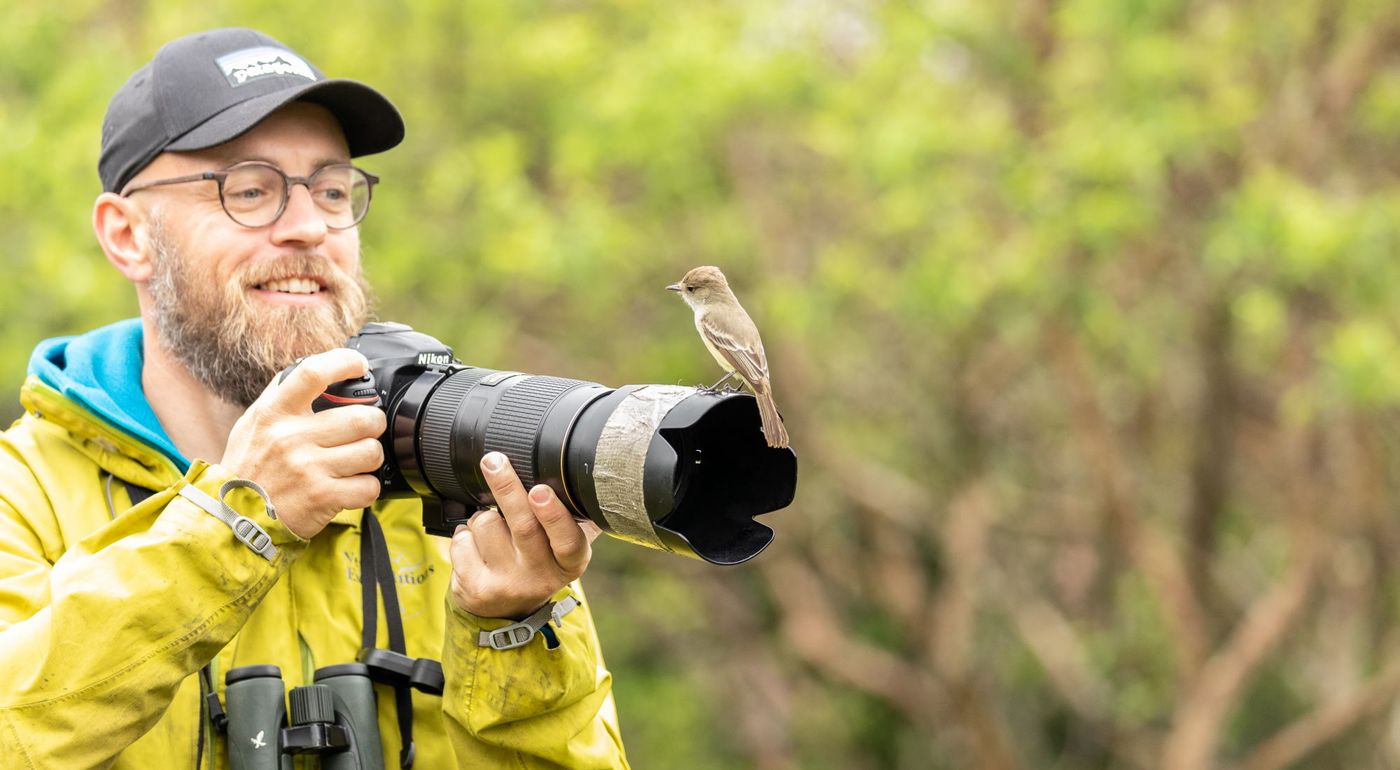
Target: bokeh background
{"type": "Point", "coordinates": [1081, 314]}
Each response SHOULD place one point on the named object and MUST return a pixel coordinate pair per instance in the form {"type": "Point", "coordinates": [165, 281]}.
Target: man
{"type": "Point", "coordinates": [166, 505]}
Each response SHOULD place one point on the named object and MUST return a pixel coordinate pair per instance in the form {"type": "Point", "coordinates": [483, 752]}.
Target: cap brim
{"type": "Point", "coordinates": [370, 122]}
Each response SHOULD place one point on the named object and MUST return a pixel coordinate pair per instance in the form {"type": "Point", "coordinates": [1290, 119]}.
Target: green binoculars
{"type": "Point", "coordinates": [336, 718]}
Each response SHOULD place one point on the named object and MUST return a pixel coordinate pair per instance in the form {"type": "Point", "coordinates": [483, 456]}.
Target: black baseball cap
{"type": "Point", "coordinates": [210, 87]}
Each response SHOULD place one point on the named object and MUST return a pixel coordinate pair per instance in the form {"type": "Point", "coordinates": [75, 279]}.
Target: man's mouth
{"type": "Point", "coordinates": [291, 286]}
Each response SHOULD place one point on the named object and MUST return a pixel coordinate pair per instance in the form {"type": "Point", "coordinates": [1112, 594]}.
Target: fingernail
{"type": "Point", "coordinates": [493, 461]}
{"type": "Point", "coordinates": [540, 494]}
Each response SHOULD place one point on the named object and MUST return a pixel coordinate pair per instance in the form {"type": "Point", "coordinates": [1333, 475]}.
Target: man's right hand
{"type": "Point", "coordinates": [312, 465]}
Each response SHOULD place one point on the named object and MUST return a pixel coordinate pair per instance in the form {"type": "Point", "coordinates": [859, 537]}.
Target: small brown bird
{"type": "Point", "coordinates": [731, 337]}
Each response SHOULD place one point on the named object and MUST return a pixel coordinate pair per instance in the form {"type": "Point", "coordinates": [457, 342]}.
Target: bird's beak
{"type": "Point", "coordinates": [674, 287]}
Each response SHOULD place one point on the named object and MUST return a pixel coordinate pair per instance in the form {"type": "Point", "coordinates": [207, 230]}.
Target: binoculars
{"type": "Point", "coordinates": [335, 718]}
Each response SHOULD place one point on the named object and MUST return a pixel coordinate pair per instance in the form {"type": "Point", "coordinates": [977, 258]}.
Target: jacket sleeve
{"type": "Point", "coordinates": [94, 643]}
{"type": "Point", "coordinates": [530, 707]}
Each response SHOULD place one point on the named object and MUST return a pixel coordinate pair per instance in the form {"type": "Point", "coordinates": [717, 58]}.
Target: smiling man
{"type": "Point", "coordinates": [172, 518]}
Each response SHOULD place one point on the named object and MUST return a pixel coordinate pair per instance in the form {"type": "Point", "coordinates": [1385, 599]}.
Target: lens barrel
{"type": "Point", "coordinates": [673, 468]}
{"type": "Point", "coordinates": [679, 469]}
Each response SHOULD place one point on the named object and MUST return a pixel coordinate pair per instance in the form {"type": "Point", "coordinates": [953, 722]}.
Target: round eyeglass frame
{"type": "Point", "coordinates": [288, 182]}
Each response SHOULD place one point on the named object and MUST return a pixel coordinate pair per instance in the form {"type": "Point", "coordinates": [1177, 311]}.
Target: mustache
{"type": "Point", "coordinates": [312, 266]}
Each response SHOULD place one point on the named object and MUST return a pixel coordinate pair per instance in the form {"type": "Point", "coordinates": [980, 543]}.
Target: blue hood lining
{"type": "Point", "coordinates": [102, 371]}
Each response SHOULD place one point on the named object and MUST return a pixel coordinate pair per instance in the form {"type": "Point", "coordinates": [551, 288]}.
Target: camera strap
{"type": "Point", "coordinates": [392, 666]}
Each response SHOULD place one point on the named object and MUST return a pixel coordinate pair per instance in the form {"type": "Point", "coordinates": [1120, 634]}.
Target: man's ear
{"type": "Point", "coordinates": [123, 230]}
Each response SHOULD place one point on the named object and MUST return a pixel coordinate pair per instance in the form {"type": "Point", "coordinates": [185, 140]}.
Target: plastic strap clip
{"type": "Point", "coordinates": [521, 633]}
{"type": "Point", "coordinates": [245, 530]}
{"type": "Point", "coordinates": [399, 670]}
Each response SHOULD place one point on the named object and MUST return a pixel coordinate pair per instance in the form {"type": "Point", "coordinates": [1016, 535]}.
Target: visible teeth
{"type": "Point", "coordinates": [293, 286]}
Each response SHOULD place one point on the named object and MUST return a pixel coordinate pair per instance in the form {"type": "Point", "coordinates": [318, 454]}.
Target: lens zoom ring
{"type": "Point", "coordinates": [435, 431]}
{"type": "Point", "coordinates": [515, 423]}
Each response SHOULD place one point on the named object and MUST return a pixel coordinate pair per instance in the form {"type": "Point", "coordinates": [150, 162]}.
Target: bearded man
{"type": "Point", "coordinates": [172, 518]}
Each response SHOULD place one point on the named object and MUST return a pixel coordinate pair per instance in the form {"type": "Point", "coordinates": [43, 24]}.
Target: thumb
{"type": "Point", "coordinates": [310, 378]}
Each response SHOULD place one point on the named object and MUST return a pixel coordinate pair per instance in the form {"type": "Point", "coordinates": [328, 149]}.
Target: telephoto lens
{"type": "Point", "coordinates": [680, 469]}
{"type": "Point", "coordinates": [661, 466]}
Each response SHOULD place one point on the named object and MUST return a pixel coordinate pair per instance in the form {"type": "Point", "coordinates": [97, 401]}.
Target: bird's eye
{"type": "Point", "coordinates": [690, 288]}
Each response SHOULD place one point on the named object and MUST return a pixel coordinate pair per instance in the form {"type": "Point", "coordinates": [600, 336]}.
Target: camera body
{"type": "Point", "coordinates": [678, 469]}
{"type": "Point", "coordinates": [399, 358]}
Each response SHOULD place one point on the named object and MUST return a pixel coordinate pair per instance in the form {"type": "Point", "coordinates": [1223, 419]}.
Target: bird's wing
{"type": "Point", "coordinates": [748, 360]}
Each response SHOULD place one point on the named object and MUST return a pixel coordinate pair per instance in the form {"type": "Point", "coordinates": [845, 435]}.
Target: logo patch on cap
{"type": "Point", "coordinates": [250, 64]}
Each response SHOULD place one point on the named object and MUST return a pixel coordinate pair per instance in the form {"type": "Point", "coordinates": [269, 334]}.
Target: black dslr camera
{"type": "Point", "coordinates": [675, 468]}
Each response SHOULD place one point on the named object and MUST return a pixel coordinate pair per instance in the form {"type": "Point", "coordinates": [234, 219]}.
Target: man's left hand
{"type": "Point", "coordinates": [508, 564]}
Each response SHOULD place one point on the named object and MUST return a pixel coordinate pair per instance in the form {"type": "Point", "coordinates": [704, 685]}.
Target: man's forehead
{"type": "Point", "coordinates": [302, 132]}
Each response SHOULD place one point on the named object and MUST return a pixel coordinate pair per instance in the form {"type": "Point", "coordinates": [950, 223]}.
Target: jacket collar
{"type": "Point", "coordinates": [100, 371]}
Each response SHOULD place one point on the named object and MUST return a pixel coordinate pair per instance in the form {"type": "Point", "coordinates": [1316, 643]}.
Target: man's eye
{"type": "Point", "coordinates": [246, 193]}
{"type": "Point", "coordinates": [331, 187]}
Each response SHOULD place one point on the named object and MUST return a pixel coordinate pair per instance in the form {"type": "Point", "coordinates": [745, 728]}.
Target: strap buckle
{"type": "Point", "coordinates": [521, 633]}
{"type": "Point", "coordinates": [250, 534]}
{"type": "Point", "coordinates": [508, 638]}
{"type": "Point", "coordinates": [245, 530]}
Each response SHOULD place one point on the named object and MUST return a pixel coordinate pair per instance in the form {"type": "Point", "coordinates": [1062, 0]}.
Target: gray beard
{"type": "Point", "coordinates": [232, 345]}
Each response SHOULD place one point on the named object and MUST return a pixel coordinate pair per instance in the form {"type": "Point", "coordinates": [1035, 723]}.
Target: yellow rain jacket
{"type": "Point", "coordinates": [108, 610]}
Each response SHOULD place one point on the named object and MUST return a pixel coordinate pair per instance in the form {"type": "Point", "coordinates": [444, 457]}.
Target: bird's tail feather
{"type": "Point", "coordinates": [773, 429]}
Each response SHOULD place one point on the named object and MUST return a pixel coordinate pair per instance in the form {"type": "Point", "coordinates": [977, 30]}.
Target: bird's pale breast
{"type": "Point", "coordinates": [718, 356]}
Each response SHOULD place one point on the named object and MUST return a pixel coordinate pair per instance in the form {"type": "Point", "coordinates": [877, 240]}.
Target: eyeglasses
{"type": "Point", "coordinates": [254, 194]}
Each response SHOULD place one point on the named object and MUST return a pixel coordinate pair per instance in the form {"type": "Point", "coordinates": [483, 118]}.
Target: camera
{"type": "Point", "coordinates": [679, 469]}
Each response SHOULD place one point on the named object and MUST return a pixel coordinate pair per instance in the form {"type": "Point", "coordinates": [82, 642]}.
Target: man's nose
{"type": "Point", "coordinates": [301, 220]}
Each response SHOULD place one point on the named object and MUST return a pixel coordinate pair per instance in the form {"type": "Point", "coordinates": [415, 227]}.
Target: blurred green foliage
{"type": "Point", "coordinates": [1080, 314]}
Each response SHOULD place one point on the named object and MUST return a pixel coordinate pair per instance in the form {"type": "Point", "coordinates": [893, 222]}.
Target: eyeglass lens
{"type": "Point", "coordinates": [255, 195]}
